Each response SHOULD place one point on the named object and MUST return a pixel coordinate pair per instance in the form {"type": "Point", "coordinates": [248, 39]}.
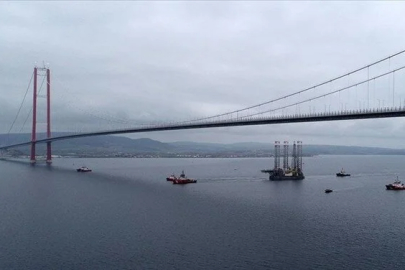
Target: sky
{"type": "Point", "coordinates": [120, 64]}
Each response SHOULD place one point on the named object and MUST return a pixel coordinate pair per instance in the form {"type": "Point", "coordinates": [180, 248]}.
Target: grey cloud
{"type": "Point", "coordinates": [165, 61]}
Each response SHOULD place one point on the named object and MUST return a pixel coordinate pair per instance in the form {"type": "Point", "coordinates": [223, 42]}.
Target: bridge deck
{"type": "Point", "coordinates": [317, 117]}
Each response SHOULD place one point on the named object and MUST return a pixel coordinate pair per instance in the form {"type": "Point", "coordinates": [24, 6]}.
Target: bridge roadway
{"type": "Point", "coordinates": [316, 117]}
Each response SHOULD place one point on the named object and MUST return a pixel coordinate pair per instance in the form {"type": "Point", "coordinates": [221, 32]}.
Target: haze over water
{"type": "Point", "coordinates": [125, 215]}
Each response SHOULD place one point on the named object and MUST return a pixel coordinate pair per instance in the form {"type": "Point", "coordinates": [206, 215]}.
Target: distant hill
{"type": "Point", "coordinates": [97, 145]}
{"type": "Point", "coordinates": [123, 146]}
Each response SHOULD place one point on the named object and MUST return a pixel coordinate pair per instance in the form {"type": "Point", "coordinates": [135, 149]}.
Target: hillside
{"type": "Point", "coordinates": [110, 146]}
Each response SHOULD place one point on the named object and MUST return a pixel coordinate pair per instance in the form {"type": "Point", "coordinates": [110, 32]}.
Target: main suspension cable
{"type": "Point", "coordinates": [29, 113]}
{"type": "Point", "coordinates": [25, 95]}
{"type": "Point", "coordinates": [299, 92]}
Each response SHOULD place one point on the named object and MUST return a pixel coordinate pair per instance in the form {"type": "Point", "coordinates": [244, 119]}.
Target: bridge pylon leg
{"type": "Point", "coordinates": [48, 116]}
{"type": "Point", "coordinates": [48, 153]}
{"type": "Point", "coordinates": [32, 158]}
{"type": "Point", "coordinates": [34, 118]}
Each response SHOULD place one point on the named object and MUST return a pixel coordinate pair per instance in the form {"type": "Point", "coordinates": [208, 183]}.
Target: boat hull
{"type": "Point", "coordinates": [342, 174]}
{"type": "Point", "coordinates": [184, 181]}
{"type": "Point", "coordinates": [280, 175]}
{"type": "Point", "coordinates": [285, 177]}
{"type": "Point", "coordinates": [78, 170]}
{"type": "Point", "coordinates": [393, 187]}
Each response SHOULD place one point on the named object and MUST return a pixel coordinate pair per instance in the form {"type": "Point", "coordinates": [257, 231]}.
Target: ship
{"type": "Point", "coordinates": [342, 173]}
{"type": "Point", "coordinates": [183, 179]}
{"type": "Point", "coordinates": [287, 172]}
{"type": "Point", "coordinates": [397, 185]}
{"type": "Point", "coordinates": [83, 169]}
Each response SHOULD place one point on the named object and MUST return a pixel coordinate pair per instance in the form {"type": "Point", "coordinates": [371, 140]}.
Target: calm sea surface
{"type": "Point", "coordinates": [125, 215]}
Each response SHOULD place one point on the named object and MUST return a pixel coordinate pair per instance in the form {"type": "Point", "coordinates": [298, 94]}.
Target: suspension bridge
{"type": "Point", "coordinates": [375, 90]}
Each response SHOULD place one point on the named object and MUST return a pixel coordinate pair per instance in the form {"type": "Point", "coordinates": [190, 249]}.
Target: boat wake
{"type": "Point", "coordinates": [232, 179]}
{"type": "Point", "coordinates": [348, 188]}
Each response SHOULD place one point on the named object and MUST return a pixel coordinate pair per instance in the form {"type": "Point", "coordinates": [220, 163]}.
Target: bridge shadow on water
{"type": "Point", "coordinates": [95, 177]}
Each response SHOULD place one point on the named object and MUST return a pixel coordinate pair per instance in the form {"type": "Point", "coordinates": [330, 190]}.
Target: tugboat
{"type": "Point", "coordinates": [397, 185]}
{"type": "Point", "coordinates": [83, 169]}
{"type": "Point", "coordinates": [183, 179]}
{"type": "Point", "coordinates": [342, 173]}
{"type": "Point", "coordinates": [171, 177]}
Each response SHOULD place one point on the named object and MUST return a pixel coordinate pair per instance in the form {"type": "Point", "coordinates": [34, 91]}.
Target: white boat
{"type": "Point", "coordinates": [83, 169]}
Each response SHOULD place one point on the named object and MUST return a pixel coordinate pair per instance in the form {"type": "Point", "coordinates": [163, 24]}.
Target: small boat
{"type": "Point", "coordinates": [83, 169]}
{"type": "Point", "coordinates": [171, 177]}
{"type": "Point", "coordinates": [328, 190]}
{"type": "Point", "coordinates": [183, 179]}
{"type": "Point", "coordinates": [397, 185]}
{"type": "Point", "coordinates": [342, 173]}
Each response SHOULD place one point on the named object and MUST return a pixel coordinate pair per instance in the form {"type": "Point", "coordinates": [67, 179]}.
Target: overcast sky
{"type": "Point", "coordinates": [140, 62]}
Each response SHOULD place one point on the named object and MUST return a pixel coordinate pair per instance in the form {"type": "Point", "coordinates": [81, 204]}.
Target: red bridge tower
{"type": "Point", "coordinates": [47, 73]}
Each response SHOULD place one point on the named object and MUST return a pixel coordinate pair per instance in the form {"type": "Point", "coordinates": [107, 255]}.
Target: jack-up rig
{"type": "Point", "coordinates": [293, 172]}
